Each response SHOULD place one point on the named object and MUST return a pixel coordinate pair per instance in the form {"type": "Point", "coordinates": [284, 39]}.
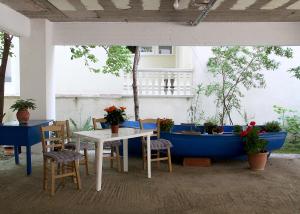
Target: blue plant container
{"type": "Point", "coordinates": [224, 146]}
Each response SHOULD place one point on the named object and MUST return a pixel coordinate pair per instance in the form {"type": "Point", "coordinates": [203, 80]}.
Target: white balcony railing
{"type": "Point", "coordinates": [161, 82]}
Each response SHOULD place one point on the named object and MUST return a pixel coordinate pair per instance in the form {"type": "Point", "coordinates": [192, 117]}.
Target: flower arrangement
{"type": "Point", "coordinates": [115, 115]}
{"type": "Point", "coordinates": [166, 124]}
{"type": "Point", "coordinates": [252, 143]}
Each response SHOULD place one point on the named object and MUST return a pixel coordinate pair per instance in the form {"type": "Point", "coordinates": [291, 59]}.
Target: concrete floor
{"type": "Point", "coordinates": [226, 187]}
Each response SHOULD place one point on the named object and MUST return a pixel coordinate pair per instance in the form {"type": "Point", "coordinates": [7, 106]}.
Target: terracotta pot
{"type": "Point", "coordinates": [23, 116]}
{"type": "Point", "coordinates": [258, 161]}
{"type": "Point", "coordinates": [114, 129]}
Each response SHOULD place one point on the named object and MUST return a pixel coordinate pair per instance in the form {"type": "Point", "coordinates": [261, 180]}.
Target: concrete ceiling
{"type": "Point", "coordinates": [159, 10]}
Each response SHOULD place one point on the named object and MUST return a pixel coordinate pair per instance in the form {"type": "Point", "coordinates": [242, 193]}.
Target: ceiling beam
{"type": "Point", "coordinates": [203, 13]}
{"type": "Point", "coordinates": [77, 4]}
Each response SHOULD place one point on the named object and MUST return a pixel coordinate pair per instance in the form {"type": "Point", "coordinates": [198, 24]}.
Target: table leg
{"type": "Point", "coordinates": [78, 144]}
{"type": "Point", "coordinates": [28, 160]}
{"type": "Point", "coordinates": [99, 160]}
{"type": "Point", "coordinates": [148, 156]}
{"type": "Point", "coordinates": [16, 153]}
{"type": "Point", "coordinates": [125, 155]}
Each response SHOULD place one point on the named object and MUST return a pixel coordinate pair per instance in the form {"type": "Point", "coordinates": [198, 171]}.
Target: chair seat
{"type": "Point", "coordinates": [112, 143]}
{"type": "Point", "coordinates": [160, 144]}
{"type": "Point", "coordinates": [64, 156]}
{"type": "Point", "coordinates": [90, 146]}
{"type": "Point", "coordinates": [83, 145]}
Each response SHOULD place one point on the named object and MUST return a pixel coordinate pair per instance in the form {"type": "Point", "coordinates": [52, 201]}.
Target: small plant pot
{"type": "Point", "coordinates": [114, 129]}
{"type": "Point", "coordinates": [258, 161]}
{"type": "Point", "coordinates": [23, 116]}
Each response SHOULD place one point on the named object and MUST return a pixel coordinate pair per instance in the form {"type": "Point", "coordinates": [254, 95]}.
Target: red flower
{"type": "Point", "coordinates": [248, 128]}
{"type": "Point", "coordinates": [252, 123]}
{"type": "Point", "coordinates": [122, 108]}
{"type": "Point", "coordinates": [244, 133]}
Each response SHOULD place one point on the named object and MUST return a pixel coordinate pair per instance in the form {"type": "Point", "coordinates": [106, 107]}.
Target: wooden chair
{"type": "Point", "coordinates": [156, 145]}
{"type": "Point", "coordinates": [59, 158]}
{"type": "Point", "coordinates": [113, 146]}
{"type": "Point", "coordinates": [71, 145]}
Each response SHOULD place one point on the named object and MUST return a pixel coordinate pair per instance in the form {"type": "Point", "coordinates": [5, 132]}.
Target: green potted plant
{"type": "Point", "coordinates": [209, 126]}
{"type": "Point", "coordinates": [272, 126]}
{"type": "Point", "coordinates": [114, 116]}
{"type": "Point", "coordinates": [166, 124]}
{"type": "Point", "coordinates": [22, 106]}
{"type": "Point", "coordinates": [255, 147]}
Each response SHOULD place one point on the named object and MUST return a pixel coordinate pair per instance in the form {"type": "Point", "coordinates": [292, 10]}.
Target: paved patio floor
{"type": "Point", "coordinates": [226, 187]}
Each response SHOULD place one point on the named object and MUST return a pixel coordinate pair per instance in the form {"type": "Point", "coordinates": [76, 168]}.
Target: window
{"type": "Point", "coordinates": [147, 50]}
{"type": "Point", "coordinates": [164, 49]}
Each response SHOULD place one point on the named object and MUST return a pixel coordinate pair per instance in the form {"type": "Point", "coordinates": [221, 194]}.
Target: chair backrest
{"type": "Point", "coordinates": [67, 130]}
{"type": "Point", "coordinates": [52, 137]}
{"type": "Point", "coordinates": [143, 122]}
{"type": "Point", "coordinates": [97, 121]}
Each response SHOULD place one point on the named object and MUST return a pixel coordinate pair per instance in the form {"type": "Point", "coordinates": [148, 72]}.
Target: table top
{"type": "Point", "coordinates": [30, 123]}
{"type": "Point", "coordinates": [106, 135]}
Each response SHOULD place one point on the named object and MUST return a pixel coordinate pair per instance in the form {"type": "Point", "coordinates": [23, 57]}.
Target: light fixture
{"type": "Point", "coordinates": [176, 4]}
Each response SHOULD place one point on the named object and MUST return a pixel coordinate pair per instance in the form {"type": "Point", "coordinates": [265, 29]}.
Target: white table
{"type": "Point", "coordinates": [101, 136]}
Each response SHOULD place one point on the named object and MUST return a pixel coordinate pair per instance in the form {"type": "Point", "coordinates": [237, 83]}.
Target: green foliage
{"type": "Point", "coordinates": [209, 126]}
{"type": "Point", "coordinates": [293, 127]}
{"type": "Point", "coordinates": [118, 58]}
{"type": "Point", "coordinates": [237, 129]}
{"type": "Point", "coordinates": [239, 67]}
{"type": "Point", "coordinates": [2, 46]}
{"type": "Point", "coordinates": [282, 112]}
{"type": "Point", "coordinates": [23, 105]}
{"type": "Point", "coordinates": [273, 126]}
{"type": "Point", "coordinates": [166, 124]}
{"type": "Point", "coordinates": [194, 112]}
{"type": "Point", "coordinates": [252, 143]}
{"type": "Point", "coordinates": [78, 127]}
{"type": "Point", "coordinates": [295, 71]}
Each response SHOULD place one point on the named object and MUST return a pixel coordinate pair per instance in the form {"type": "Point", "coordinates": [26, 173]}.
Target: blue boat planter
{"type": "Point", "coordinates": [224, 146]}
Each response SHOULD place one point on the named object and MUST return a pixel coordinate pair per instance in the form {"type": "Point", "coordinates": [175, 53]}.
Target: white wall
{"type": "Point", "coordinates": [80, 108]}
{"type": "Point", "coordinates": [281, 89]}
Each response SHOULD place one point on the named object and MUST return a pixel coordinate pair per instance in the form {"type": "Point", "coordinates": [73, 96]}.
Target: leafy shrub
{"type": "Point", "coordinates": [272, 126]}
{"type": "Point", "coordinates": [166, 124]}
{"type": "Point", "coordinates": [237, 129]}
{"type": "Point", "coordinates": [209, 126]}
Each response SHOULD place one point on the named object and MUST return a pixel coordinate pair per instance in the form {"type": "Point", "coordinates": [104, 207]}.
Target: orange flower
{"type": "Point", "coordinates": [122, 108]}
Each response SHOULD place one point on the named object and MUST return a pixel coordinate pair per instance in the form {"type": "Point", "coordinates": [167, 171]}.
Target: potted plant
{"type": "Point", "coordinates": [114, 116]}
{"type": "Point", "coordinates": [272, 126]}
{"type": "Point", "coordinates": [22, 106]}
{"type": "Point", "coordinates": [254, 147]}
{"type": "Point", "coordinates": [209, 126]}
{"type": "Point", "coordinates": [217, 130]}
{"type": "Point", "coordinates": [166, 124]}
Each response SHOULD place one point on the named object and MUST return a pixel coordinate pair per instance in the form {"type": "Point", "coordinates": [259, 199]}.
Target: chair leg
{"type": "Point", "coordinates": [62, 173]}
{"type": "Point", "coordinates": [45, 179]}
{"type": "Point", "coordinates": [111, 157]}
{"type": "Point", "coordinates": [158, 161]}
{"type": "Point", "coordinates": [52, 177]}
{"type": "Point", "coordinates": [169, 160]}
{"type": "Point", "coordinates": [76, 171]}
{"type": "Point", "coordinates": [118, 158]}
{"type": "Point", "coordinates": [86, 161]}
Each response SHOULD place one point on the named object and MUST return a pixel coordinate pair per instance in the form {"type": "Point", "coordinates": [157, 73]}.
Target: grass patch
{"type": "Point", "coordinates": [290, 148]}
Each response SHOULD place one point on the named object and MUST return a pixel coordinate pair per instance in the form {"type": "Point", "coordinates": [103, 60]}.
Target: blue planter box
{"type": "Point", "coordinates": [225, 146]}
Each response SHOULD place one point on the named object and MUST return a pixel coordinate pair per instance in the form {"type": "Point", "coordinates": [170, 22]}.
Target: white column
{"type": "Point", "coordinates": [36, 73]}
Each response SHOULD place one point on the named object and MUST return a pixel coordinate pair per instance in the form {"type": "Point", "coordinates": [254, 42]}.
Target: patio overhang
{"type": "Point", "coordinates": [38, 35]}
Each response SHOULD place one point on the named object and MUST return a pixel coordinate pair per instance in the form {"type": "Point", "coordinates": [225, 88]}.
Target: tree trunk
{"type": "Point", "coordinates": [6, 46]}
{"type": "Point", "coordinates": [134, 82]}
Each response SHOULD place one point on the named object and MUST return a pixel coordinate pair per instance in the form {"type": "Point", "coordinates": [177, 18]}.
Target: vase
{"type": "Point", "coordinates": [258, 161]}
{"type": "Point", "coordinates": [114, 129]}
{"type": "Point", "coordinates": [23, 116]}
